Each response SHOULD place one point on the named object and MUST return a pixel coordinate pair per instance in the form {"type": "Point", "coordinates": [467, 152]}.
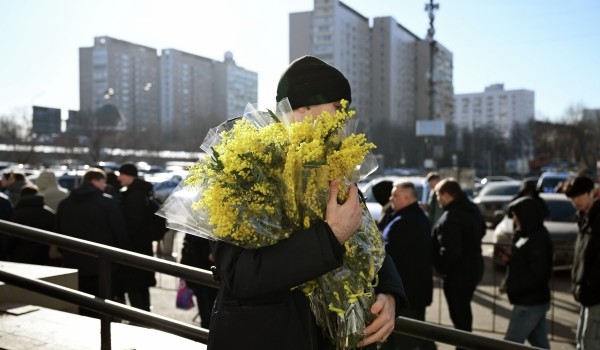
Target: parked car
{"type": "Point", "coordinates": [375, 207]}
{"type": "Point", "coordinates": [493, 198]}
{"type": "Point", "coordinates": [561, 224]}
{"type": "Point", "coordinates": [551, 182]}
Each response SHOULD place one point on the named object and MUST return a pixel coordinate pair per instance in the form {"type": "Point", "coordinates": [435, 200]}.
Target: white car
{"type": "Point", "coordinates": [374, 206]}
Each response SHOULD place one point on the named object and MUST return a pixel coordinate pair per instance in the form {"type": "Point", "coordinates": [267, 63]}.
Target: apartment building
{"type": "Point", "coordinates": [178, 96]}
{"type": "Point", "coordinates": [495, 108]}
{"type": "Point", "coordinates": [386, 64]}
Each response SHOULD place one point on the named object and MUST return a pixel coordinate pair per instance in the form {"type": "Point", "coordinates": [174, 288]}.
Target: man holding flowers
{"type": "Point", "coordinates": [264, 301]}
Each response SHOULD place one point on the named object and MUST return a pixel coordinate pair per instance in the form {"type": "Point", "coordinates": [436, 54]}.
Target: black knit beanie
{"type": "Point", "coordinates": [309, 81]}
{"type": "Point", "coordinates": [128, 169]}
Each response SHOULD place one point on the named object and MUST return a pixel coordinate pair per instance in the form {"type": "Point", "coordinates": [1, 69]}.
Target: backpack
{"type": "Point", "coordinates": [156, 226]}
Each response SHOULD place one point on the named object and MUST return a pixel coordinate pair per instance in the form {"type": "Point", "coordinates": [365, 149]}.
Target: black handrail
{"type": "Point", "coordinates": [122, 256]}
{"type": "Point", "coordinates": [106, 307]}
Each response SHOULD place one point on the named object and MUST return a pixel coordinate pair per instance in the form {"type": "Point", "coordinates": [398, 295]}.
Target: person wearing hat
{"type": "Point", "coordinates": [434, 211]}
{"type": "Point", "coordinates": [134, 203]}
{"type": "Point", "coordinates": [257, 306]}
{"type": "Point", "coordinates": [586, 263]}
{"type": "Point", "coordinates": [529, 271]}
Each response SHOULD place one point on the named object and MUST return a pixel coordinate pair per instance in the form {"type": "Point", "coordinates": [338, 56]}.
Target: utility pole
{"type": "Point", "coordinates": [431, 7]}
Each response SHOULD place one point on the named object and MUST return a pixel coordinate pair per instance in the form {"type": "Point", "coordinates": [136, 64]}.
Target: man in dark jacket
{"type": "Point", "coordinates": [31, 211]}
{"type": "Point", "coordinates": [407, 239]}
{"type": "Point", "coordinates": [258, 305]}
{"type": "Point", "coordinates": [530, 269]}
{"type": "Point", "coordinates": [457, 256]}
{"type": "Point", "coordinates": [134, 204]}
{"type": "Point", "coordinates": [87, 213]}
{"type": "Point", "coordinates": [586, 263]}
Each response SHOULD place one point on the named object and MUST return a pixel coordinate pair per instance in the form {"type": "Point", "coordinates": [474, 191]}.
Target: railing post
{"type": "Point", "coordinates": [105, 291]}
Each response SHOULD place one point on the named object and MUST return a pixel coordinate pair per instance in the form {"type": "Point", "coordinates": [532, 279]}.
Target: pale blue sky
{"type": "Point", "coordinates": [551, 47]}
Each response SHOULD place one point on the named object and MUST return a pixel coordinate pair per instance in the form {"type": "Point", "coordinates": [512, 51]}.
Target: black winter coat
{"type": "Point", "coordinates": [90, 215]}
{"type": "Point", "coordinates": [256, 307]}
{"type": "Point", "coordinates": [530, 266]}
{"type": "Point", "coordinates": [457, 242]}
{"type": "Point", "coordinates": [31, 211]}
{"type": "Point", "coordinates": [134, 203]}
{"type": "Point", "coordinates": [586, 264]}
{"type": "Point", "coordinates": [408, 242]}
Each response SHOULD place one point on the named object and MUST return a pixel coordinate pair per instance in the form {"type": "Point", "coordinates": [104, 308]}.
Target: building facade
{"type": "Point", "coordinates": [175, 97]}
{"type": "Point", "coordinates": [494, 109]}
{"type": "Point", "coordinates": [388, 68]}
{"type": "Point", "coordinates": [123, 74]}
{"type": "Point", "coordinates": [46, 121]}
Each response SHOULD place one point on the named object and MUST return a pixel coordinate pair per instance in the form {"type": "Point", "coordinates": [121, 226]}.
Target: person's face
{"type": "Point", "coordinates": [99, 184]}
{"type": "Point", "coordinates": [583, 202]}
{"type": "Point", "coordinates": [303, 112]}
{"type": "Point", "coordinates": [443, 198]}
{"type": "Point", "coordinates": [125, 180]}
{"type": "Point", "coordinates": [399, 198]}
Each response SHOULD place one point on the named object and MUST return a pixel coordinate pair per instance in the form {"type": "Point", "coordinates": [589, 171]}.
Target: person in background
{"type": "Point", "coordinates": [434, 211]}
{"type": "Point", "coordinates": [457, 256]}
{"type": "Point", "coordinates": [134, 203]}
{"type": "Point", "coordinates": [196, 252]}
{"type": "Point", "coordinates": [31, 211]}
{"type": "Point", "coordinates": [247, 313]}
{"type": "Point", "coordinates": [113, 187]}
{"type": "Point", "coordinates": [529, 189]}
{"type": "Point", "coordinates": [586, 272]}
{"type": "Point", "coordinates": [381, 193]}
{"type": "Point", "coordinates": [16, 181]}
{"type": "Point", "coordinates": [87, 213]}
{"type": "Point", "coordinates": [4, 182]}
{"type": "Point", "coordinates": [48, 185]}
{"type": "Point", "coordinates": [6, 211]}
{"type": "Point", "coordinates": [407, 239]}
{"type": "Point", "coordinates": [529, 272]}
{"type": "Point", "coordinates": [53, 193]}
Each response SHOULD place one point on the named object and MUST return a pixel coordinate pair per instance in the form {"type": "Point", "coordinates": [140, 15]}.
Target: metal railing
{"type": "Point", "coordinates": [109, 309]}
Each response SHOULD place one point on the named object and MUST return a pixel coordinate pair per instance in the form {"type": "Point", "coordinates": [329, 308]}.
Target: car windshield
{"type": "Point", "coordinates": [562, 211]}
{"type": "Point", "coordinates": [508, 190]}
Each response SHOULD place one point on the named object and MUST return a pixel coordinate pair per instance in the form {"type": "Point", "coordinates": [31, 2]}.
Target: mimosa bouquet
{"type": "Point", "coordinates": [265, 177]}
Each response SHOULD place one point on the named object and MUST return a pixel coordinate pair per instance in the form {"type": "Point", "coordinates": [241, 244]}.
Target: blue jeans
{"type": "Point", "coordinates": [588, 329]}
{"type": "Point", "coordinates": [528, 322]}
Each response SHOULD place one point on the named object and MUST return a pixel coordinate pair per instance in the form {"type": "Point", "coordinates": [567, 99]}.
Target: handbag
{"type": "Point", "coordinates": [185, 296]}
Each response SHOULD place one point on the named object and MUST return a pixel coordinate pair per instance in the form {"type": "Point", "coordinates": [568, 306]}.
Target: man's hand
{"type": "Point", "coordinates": [381, 328]}
{"type": "Point", "coordinates": [343, 219]}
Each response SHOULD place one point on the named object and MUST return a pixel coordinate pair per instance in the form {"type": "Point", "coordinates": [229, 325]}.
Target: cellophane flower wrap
{"type": "Point", "coordinates": [265, 177]}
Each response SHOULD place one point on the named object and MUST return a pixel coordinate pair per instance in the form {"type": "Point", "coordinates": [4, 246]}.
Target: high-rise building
{"type": "Point", "coordinates": [178, 94]}
{"type": "Point", "coordinates": [386, 64]}
{"type": "Point", "coordinates": [494, 109]}
{"type": "Point", "coordinates": [123, 74]}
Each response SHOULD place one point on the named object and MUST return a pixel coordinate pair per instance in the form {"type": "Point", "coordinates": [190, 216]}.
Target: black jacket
{"type": "Point", "coordinates": [90, 215]}
{"type": "Point", "coordinates": [134, 203]}
{"type": "Point", "coordinates": [457, 241]}
{"type": "Point", "coordinates": [257, 308]}
{"type": "Point", "coordinates": [408, 242]}
{"type": "Point", "coordinates": [586, 264]}
{"type": "Point", "coordinates": [31, 211]}
{"type": "Point", "coordinates": [530, 266]}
